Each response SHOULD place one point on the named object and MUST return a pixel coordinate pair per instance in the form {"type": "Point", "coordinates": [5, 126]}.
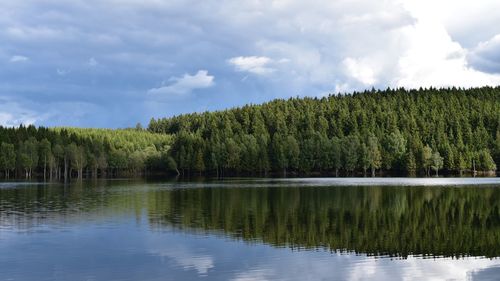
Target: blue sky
{"type": "Point", "coordinates": [110, 63]}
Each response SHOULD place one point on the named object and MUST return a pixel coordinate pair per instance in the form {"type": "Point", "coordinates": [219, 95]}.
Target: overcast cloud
{"type": "Point", "coordinates": [110, 63]}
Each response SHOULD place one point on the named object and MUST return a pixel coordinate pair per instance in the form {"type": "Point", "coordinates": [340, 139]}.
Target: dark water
{"type": "Point", "coordinates": [321, 229]}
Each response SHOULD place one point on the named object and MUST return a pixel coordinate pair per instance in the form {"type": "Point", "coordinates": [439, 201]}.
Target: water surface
{"type": "Point", "coordinates": [299, 229]}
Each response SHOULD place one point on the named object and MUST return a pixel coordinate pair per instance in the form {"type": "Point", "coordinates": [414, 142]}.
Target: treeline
{"type": "Point", "coordinates": [64, 153]}
{"type": "Point", "coordinates": [395, 131]}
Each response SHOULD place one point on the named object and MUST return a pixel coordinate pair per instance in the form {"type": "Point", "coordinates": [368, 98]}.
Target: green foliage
{"type": "Point", "coordinates": [7, 158]}
{"type": "Point", "coordinates": [436, 162]}
{"type": "Point", "coordinates": [374, 156]}
{"type": "Point", "coordinates": [411, 164]}
{"type": "Point", "coordinates": [486, 162]}
{"type": "Point", "coordinates": [28, 150]}
{"type": "Point", "coordinates": [396, 130]}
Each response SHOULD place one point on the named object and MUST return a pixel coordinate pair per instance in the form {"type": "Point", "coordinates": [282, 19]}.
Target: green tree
{"type": "Point", "coordinates": [427, 159]}
{"type": "Point", "coordinates": [350, 148]}
{"type": "Point", "coordinates": [45, 155]}
{"type": "Point", "coordinates": [7, 158]}
{"type": "Point", "coordinates": [59, 155]}
{"type": "Point", "coordinates": [436, 162]}
{"type": "Point", "coordinates": [485, 161]}
{"type": "Point", "coordinates": [199, 163]}
{"type": "Point", "coordinates": [102, 164]}
{"type": "Point", "coordinates": [78, 159]}
{"type": "Point", "coordinates": [31, 146]}
{"type": "Point", "coordinates": [336, 155]}
{"type": "Point", "coordinates": [286, 152]}
{"type": "Point", "coordinates": [395, 149]}
{"type": "Point", "coordinates": [374, 155]}
{"type": "Point", "coordinates": [23, 159]}
{"type": "Point", "coordinates": [117, 161]}
{"type": "Point", "coordinates": [172, 165]}
{"type": "Point", "coordinates": [411, 164]}
{"type": "Point", "coordinates": [292, 152]}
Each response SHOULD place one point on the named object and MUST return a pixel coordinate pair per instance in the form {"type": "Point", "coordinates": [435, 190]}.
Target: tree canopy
{"type": "Point", "coordinates": [395, 131]}
{"type": "Point", "coordinates": [62, 153]}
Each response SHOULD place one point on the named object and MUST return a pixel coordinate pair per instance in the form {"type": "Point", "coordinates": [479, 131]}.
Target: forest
{"type": "Point", "coordinates": [65, 153]}
{"type": "Point", "coordinates": [389, 132]}
{"type": "Point", "coordinates": [378, 133]}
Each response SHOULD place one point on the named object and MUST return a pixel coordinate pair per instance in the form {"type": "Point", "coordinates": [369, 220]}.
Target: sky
{"type": "Point", "coordinates": [113, 63]}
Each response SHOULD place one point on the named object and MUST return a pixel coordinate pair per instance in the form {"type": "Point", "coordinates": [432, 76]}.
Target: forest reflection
{"type": "Point", "coordinates": [394, 221]}
{"type": "Point", "coordinates": [374, 220]}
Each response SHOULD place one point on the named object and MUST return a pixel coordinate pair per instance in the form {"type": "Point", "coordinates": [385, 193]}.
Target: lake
{"type": "Point", "coordinates": [243, 229]}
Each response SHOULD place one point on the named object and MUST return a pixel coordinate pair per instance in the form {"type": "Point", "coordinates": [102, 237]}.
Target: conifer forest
{"type": "Point", "coordinates": [392, 132]}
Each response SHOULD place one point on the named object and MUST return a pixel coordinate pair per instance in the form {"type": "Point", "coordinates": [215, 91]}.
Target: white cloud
{"type": "Point", "coordinates": [12, 114]}
{"type": "Point", "coordinates": [186, 84]}
{"type": "Point", "coordinates": [380, 44]}
{"type": "Point", "coordinates": [14, 120]}
{"type": "Point", "coordinates": [252, 64]}
{"type": "Point", "coordinates": [433, 58]}
{"type": "Point", "coordinates": [30, 33]}
{"type": "Point", "coordinates": [359, 71]}
{"type": "Point", "coordinates": [340, 45]}
{"type": "Point", "coordinates": [18, 58]}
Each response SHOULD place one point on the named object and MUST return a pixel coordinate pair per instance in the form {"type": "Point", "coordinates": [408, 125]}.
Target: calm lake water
{"type": "Point", "coordinates": [298, 229]}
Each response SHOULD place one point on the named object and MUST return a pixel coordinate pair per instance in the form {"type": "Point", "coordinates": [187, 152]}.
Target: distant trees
{"type": "Point", "coordinates": [393, 131]}
{"type": "Point", "coordinates": [64, 153]}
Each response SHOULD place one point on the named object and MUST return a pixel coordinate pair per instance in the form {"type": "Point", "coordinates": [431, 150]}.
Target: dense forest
{"type": "Point", "coordinates": [64, 153]}
{"type": "Point", "coordinates": [395, 131]}
{"type": "Point", "coordinates": [391, 132]}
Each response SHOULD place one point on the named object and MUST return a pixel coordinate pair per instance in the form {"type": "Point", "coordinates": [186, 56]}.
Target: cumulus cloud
{"type": "Point", "coordinates": [185, 84]}
{"type": "Point", "coordinates": [359, 71]}
{"type": "Point", "coordinates": [252, 64]}
{"type": "Point", "coordinates": [18, 58]}
{"type": "Point", "coordinates": [293, 47]}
